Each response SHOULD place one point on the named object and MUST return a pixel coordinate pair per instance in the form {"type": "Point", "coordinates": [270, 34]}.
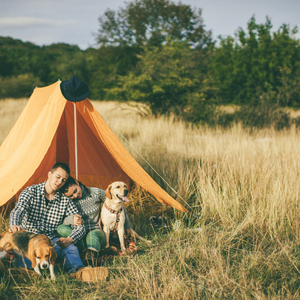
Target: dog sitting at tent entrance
{"type": "Point", "coordinates": [38, 248]}
{"type": "Point", "coordinates": [112, 213]}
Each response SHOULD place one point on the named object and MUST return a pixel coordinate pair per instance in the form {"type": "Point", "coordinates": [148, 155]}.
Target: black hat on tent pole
{"type": "Point", "coordinates": [74, 90]}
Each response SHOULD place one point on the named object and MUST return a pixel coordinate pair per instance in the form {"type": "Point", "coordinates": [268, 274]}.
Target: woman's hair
{"type": "Point", "coordinates": [70, 181]}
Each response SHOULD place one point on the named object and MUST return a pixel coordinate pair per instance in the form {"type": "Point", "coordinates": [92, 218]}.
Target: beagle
{"type": "Point", "coordinates": [112, 213]}
{"type": "Point", "coordinates": [38, 248]}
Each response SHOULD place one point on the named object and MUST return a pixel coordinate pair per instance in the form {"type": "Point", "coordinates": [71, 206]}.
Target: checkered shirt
{"type": "Point", "coordinates": [33, 214]}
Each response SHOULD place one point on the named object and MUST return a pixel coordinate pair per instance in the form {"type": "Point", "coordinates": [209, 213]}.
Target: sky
{"type": "Point", "coordinates": [75, 22]}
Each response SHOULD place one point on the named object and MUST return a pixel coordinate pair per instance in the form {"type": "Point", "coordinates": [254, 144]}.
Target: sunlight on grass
{"type": "Point", "coordinates": [243, 183]}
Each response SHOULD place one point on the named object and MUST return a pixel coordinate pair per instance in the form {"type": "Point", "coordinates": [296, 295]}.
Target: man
{"type": "Point", "coordinates": [40, 209]}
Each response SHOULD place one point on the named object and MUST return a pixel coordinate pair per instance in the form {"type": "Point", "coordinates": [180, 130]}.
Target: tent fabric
{"type": "Point", "coordinates": [44, 134]}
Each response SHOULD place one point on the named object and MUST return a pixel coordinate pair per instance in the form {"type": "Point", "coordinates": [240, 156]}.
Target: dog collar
{"type": "Point", "coordinates": [114, 212]}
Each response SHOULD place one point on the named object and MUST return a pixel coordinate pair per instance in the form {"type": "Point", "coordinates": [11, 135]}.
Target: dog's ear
{"type": "Point", "coordinates": [3, 234]}
{"type": "Point", "coordinates": [32, 257]}
{"type": "Point", "coordinates": [7, 246]}
{"type": "Point", "coordinates": [108, 192]}
{"type": "Point", "coordinates": [53, 255]}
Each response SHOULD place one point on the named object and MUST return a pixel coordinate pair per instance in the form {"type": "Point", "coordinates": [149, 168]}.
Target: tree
{"type": "Point", "coordinates": [17, 57]}
{"type": "Point", "coordinates": [256, 64]}
{"type": "Point", "coordinates": [106, 64]}
{"type": "Point", "coordinates": [62, 61]}
{"type": "Point", "coordinates": [24, 66]}
{"type": "Point", "coordinates": [166, 80]}
{"type": "Point", "coordinates": [150, 22]}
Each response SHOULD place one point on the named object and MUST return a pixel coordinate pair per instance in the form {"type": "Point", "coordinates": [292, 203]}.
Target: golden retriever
{"type": "Point", "coordinates": [112, 213]}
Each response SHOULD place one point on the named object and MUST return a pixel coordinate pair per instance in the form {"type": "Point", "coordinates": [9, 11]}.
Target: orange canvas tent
{"type": "Point", "coordinates": [44, 134]}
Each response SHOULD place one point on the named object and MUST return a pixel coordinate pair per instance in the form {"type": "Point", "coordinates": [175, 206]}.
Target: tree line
{"type": "Point", "coordinates": [159, 53]}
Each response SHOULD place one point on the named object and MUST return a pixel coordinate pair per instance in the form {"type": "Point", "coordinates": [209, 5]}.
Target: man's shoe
{"type": "Point", "coordinates": [89, 274]}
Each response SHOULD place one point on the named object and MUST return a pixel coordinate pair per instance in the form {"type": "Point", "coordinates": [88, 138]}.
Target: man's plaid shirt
{"type": "Point", "coordinates": [34, 214]}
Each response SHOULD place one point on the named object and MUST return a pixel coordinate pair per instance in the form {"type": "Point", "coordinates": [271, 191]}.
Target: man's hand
{"type": "Point", "coordinates": [77, 220]}
{"type": "Point", "coordinates": [15, 228]}
{"type": "Point", "coordinates": [64, 242]}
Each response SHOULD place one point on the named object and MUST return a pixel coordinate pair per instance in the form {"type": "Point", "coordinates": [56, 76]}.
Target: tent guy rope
{"type": "Point", "coordinates": [145, 160]}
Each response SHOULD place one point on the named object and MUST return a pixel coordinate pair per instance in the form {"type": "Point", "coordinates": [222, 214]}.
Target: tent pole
{"type": "Point", "coordinates": [75, 128]}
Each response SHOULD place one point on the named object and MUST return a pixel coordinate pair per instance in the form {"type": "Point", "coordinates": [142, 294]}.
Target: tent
{"type": "Point", "coordinates": [44, 134]}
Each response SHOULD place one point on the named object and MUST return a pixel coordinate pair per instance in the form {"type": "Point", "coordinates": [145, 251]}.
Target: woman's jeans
{"type": "Point", "coordinates": [94, 240]}
{"type": "Point", "coordinates": [69, 255]}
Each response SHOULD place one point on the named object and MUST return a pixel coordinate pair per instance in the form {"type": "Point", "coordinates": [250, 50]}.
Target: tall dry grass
{"type": "Point", "coordinates": [243, 184]}
{"type": "Point", "coordinates": [10, 109]}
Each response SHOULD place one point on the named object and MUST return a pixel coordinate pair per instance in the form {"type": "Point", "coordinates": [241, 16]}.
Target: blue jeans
{"type": "Point", "coordinates": [70, 256]}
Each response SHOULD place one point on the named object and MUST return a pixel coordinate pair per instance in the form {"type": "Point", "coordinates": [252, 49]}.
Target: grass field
{"type": "Point", "coordinates": [243, 187]}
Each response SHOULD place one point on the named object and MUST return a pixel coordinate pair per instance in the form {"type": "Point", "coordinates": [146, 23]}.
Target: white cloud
{"type": "Point", "coordinates": [74, 21]}
{"type": "Point", "coordinates": [25, 22]}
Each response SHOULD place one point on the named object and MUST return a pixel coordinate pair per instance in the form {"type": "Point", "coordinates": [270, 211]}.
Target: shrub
{"type": "Point", "coordinates": [18, 86]}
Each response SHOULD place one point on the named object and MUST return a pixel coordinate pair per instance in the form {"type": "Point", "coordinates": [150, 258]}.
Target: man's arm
{"type": "Point", "coordinates": [73, 219]}
{"type": "Point", "coordinates": [18, 212]}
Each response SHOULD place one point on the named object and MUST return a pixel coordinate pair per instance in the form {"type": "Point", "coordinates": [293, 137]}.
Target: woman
{"type": "Point", "coordinates": [87, 200]}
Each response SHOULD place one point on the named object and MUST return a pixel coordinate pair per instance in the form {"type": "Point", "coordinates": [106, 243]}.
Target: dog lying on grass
{"type": "Point", "coordinates": [112, 213]}
{"type": "Point", "coordinates": [38, 248]}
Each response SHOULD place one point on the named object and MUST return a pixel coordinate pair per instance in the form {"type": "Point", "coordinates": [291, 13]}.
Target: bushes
{"type": "Point", "coordinates": [257, 62]}
{"type": "Point", "coordinates": [263, 116]}
{"type": "Point", "coordinates": [18, 86]}
{"type": "Point", "coordinates": [171, 77]}
{"type": "Point", "coordinates": [255, 117]}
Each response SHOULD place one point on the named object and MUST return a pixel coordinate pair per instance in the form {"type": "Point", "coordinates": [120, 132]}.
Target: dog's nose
{"type": "Point", "coordinates": [125, 192]}
{"type": "Point", "coordinates": [44, 266]}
